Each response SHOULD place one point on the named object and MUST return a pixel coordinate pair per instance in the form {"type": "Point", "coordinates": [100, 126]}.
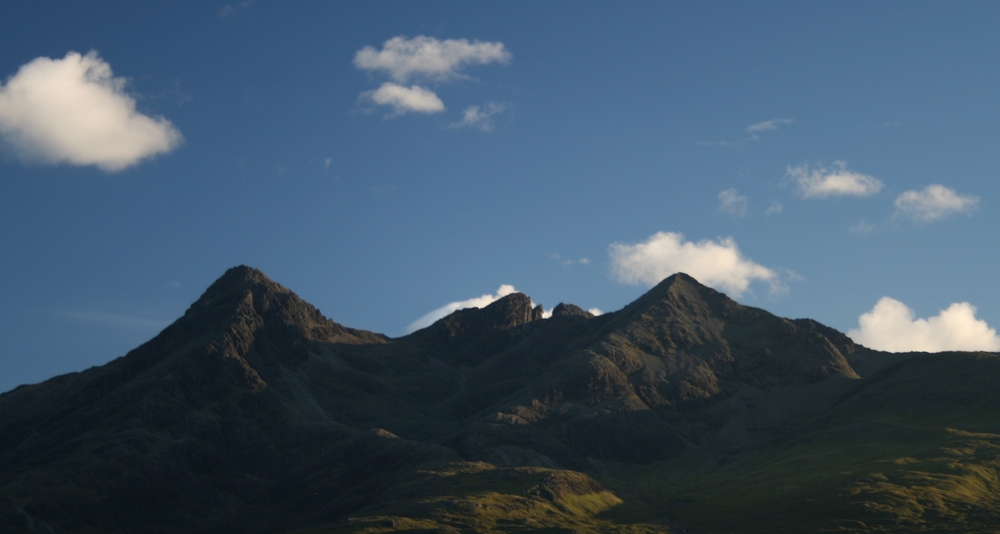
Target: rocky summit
{"type": "Point", "coordinates": [682, 412]}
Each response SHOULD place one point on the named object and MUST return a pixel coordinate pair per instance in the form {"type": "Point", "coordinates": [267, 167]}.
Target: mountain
{"type": "Point", "coordinates": [684, 411]}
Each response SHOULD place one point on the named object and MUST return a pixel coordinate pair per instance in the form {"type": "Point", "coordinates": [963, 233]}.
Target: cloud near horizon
{"type": "Point", "coordinates": [414, 99]}
{"type": "Point", "coordinates": [110, 319]}
{"type": "Point", "coordinates": [73, 110]}
{"type": "Point", "coordinates": [891, 326]}
{"type": "Point", "coordinates": [477, 302]}
{"type": "Point", "coordinates": [428, 57]}
{"type": "Point", "coordinates": [718, 264]}
{"type": "Point", "coordinates": [838, 181]}
{"type": "Point", "coordinates": [934, 203]}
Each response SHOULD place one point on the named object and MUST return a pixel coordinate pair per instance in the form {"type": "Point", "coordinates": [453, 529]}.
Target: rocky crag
{"type": "Point", "coordinates": [684, 411]}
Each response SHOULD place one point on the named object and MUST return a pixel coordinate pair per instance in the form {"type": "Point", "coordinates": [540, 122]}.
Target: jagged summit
{"type": "Point", "coordinates": [246, 296]}
{"type": "Point", "coordinates": [256, 413]}
{"type": "Point", "coordinates": [508, 312]}
{"type": "Point", "coordinates": [562, 309]}
{"type": "Point", "coordinates": [679, 291]}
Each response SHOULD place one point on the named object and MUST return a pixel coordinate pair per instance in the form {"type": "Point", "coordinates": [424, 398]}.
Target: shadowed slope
{"type": "Point", "coordinates": [254, 413]}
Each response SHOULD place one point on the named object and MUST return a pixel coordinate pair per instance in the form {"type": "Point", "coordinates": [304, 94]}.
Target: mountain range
{"type": "Point", "coordinates": [682, 412]}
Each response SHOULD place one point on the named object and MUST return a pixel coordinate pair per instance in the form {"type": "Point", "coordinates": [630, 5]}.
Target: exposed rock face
{"type": "Point", "coordinates": [254, 413]}
{"type": "Point", "coordinates": [563, 310]}
{"type": "Point", "coordinates": [508, 312]}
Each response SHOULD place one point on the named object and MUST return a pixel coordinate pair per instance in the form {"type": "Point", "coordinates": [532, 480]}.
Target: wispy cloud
{"type": "Point", "coordinates": [73, 110]}
{"type": "Point", "coordinates": [229, 10]}
{"type": "Point", "coordinates": [837, 181]}
{"type": "Point", "coordinates": [754, 130]}
{"type": "Point", "coordinates": [768, 125]}
{"type": "Point", "coordinates": [429, 58]}
{"type": "Point", "coordinates": [110, 319]}
{"type": "Point", "coordinates": [891, 326]}
{"type": "Point", "coordinates": [480, 117]}
{"type": "Point", "coordinates": [733, 203]}
{"type": "Point", "coordinates": [405, 99]}
{"type": "Point", "coordinates": [719, 264]}
{"type": "Point", "coordinates": [773, 209]}
{"type": "Point", "coordinates": [934, 203]}
{"type": "Point", "coordinates": [862, 227]}
{"type": "Point", "coordinates": [570, 261]}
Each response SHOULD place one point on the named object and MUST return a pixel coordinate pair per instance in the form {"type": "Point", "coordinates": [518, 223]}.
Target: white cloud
{"type": "Point", "coordinates": [477, 302]}
{"type": "Point", "coordinates": [890, 326]}
{"type": "Point", "coordinates": [838, 181]}
{"type": "Point", "coordinates": [862, 227]}
{"type": "Point", "coordinates": [774, 209]}
{"type": "Point", "coordinates": [768, 125]}
{"type": "Point", "coordinates": [110, 319]}
{"type": "Point", "coordinates": [719, 264]}
{"type": "Point", "coordinates": [73, 110]}
{"type": "Point", "coordinates": [480, 117]}
{"type": "Point", "coordinates": [428, 57]}
{"type": "Point", "coordinates": [405, 99]}
{"type": "Point", "coordinates": [596, 311]}
{"type": "Point", "coordinates": [934, 203]}
{"type": "Point", "coordinates": [227, 10]}
{"type": "Point", "coordinates": [733, 203]}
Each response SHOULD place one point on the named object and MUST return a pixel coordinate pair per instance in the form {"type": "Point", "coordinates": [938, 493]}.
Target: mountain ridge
{"type": "Point", "coordinates": [255, 413]}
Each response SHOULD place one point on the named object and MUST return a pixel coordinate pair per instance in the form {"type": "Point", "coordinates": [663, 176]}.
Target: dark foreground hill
{"type": "Point", "coordinates": [683, 412]}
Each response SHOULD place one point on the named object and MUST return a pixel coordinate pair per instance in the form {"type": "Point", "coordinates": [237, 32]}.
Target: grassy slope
{"type": "Point", "coordinates": [914, 449]}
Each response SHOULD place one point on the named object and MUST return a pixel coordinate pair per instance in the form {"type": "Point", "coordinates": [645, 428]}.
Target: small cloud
{"type": "Point", "coordinates": [862, 227]}
{"type": "Point", "coordinates": [428, 57]}
{"type": "Point", "coordinates": [719, 264]}
{"type": "Point", "coordinates": [596, 311]}
{"type": "Point", "coordinates": [773, 209]}
{"type": "Point", "coordinates": [174, 284]}
{"type": "Point", "coordinates": [405, 99]}
{"type": "Point", "coordinates": [73, 110]}
{"type": "Point", "coordinates": [229, 10]}
{"type": "Point", "coordinates": [110, 319]}
{"type": "Point", "coordinates": [891, 326]}
{"type": "Point", "coordinates": [733, 203]}
{"type": "Point", "coordinates": [720, 143]}
{"type": "Point", "coordinates": [327, 162]}
{"type": "Point", "coordinates": [838, 181]}
{"type": "Point", "coordinates": [570, 261]}
{"type": "Point", "coordinates": [768, 125]}
{"type": "Point", "coordinates": [480, 117]}
{"type": "Point", "coordinates": [934, 203]}
{"type": "Point", "coordinates": [477, 302]}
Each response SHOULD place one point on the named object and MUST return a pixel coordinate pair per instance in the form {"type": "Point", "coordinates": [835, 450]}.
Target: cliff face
{"type": "Point", "coordinates": [254, 413]}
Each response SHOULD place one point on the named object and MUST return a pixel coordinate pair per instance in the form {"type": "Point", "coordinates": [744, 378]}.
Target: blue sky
{"type": "Point", "coordinates": [384, 160]}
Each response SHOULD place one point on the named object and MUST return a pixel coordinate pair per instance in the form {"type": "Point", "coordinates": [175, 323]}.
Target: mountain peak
{"type": "Point", "coordinates": [508, 312]}
{"type": "Point", "coordinates": [234, 283]}
{"type": "Point", "coordinates": [680, 292]}
{"type": "Point", "coordinates": [562, 309]}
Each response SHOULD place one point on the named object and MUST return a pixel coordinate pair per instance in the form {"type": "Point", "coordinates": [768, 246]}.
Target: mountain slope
{"type": "Point", "coordinates": [254, 413]}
